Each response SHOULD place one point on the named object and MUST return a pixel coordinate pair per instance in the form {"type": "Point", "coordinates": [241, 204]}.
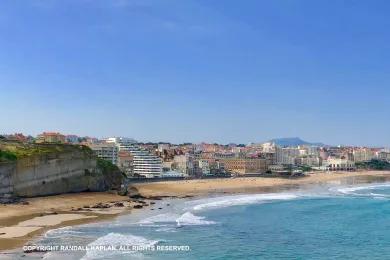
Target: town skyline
{"type": "Point", "coordinates": [282, 141]}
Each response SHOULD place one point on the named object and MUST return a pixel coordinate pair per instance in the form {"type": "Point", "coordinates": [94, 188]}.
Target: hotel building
{"type": "Point", "coordinates": [144, 163]}
{"type": "Point", "coordinates": [245, 165]}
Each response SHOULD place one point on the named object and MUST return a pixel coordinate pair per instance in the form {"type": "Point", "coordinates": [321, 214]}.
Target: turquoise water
{"type": "Point", "coordinates": [328, 223]}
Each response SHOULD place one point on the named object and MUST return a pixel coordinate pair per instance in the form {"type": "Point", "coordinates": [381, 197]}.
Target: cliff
{"type": "Point", "coordinates": [29, 170]}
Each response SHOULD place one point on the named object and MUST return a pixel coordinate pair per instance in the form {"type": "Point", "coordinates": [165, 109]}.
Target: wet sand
{"type": "Point", "coordinates": [20, 223]}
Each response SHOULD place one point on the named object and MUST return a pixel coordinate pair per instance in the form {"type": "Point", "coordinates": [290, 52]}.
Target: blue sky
{"type": "Point", "coordinates": [197, 70]}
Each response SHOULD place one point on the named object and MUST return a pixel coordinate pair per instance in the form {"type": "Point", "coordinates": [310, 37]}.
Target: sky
{"type": "Point", "coordinates": [197, 70]}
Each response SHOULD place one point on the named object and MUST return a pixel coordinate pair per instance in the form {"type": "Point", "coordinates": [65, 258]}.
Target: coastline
{"type": "Point", "coordinates": [255, 184]}
{"type": "Point", "coordinates": [46, 213]}
{"type": "Point", "coordinates": [22, 222]}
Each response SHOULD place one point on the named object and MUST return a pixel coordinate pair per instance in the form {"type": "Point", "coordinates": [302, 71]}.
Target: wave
{"type": "Point", "coordinates": [185, 219]}
{"type": "Point", "coordinates": [115, 239]}
{"type": "Point", "coordinates": [352, 190]}
{"type": "Point", "coordinates": [161, 218]}
{"type": "Point", "coordinates": [59, 232]}
{"type": "Point", "coordinates": [189, 219]}
{"type": "Point", "coordinates": [228, 201]}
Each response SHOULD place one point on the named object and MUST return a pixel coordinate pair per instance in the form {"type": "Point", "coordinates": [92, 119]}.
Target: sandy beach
{"type": "Point", "coordinates": [20, 223]}
{"type": "Point", "coordinates": [254, 184]}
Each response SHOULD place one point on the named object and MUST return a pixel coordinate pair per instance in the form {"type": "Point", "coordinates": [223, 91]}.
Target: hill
{"type": "Point", "coordinates": [293, 141]}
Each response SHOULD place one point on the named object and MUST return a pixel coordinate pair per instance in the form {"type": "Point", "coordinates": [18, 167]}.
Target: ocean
{"type": "Point", "coordinates": [324, 222]}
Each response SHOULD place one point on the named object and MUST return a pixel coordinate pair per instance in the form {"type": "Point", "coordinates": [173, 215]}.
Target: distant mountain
{"type": "Point", "coordinates": [293, 141]}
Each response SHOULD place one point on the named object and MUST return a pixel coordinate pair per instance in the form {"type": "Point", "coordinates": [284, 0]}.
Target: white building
{"type": "Point", "coordinates": [339, 165]}
{"type": "Point", "coordinates": [204, 166]}
{"type": "Point", "coordinates": [144, 163]}
{"type": "Point", "coordinates": [268, 147]}
{"type": "Point", "coordinates": [287, 156]}
{"type": "Point", "coordinates": [162, 147]}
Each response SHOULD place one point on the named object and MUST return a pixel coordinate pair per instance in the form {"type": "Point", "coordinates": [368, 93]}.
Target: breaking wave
{"type": "Point", "coordinates": [189, 219]}
{"type": "Point", "coordinates": [228, 201]}
{"type": "Point", "coordinates": [365, 191]}
{"type": "Point", "coordinates": [186, 219]}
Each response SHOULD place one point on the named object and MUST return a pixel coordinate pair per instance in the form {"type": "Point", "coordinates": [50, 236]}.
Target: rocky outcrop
{"type": "Point", "coordinates": [74, 169]}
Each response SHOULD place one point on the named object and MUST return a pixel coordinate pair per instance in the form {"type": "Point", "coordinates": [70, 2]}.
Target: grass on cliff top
{"type": "Point", "coordinates": [11, 151]}
{"type": "Point", "coordinates": [7, 156]}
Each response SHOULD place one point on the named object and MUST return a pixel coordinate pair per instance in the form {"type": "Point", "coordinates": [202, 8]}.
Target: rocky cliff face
{"type": "Point", "coordinates": [73, 169]}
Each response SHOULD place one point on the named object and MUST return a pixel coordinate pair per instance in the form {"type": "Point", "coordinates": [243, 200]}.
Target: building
{"type": "Point", "coordinates": [162, 147]}
{"type": "Point", "coordinates": [245, 165]}
{"type": "Point", "coordinates": [287, 155]}
{"type": "Point", "coordinates": [363, 155]}
{"type": "Point", "coordinates": [204, 167]}
{"type": "Point", "coordinates": [125, 163]}
{"type": "Point", "coordinates": [72, 139]}
{"type": "Point", "coordinates": [184, 164]}
{"type": "Point", "coordinates": [339, 165]}
{"type": "Point", "coordinates": [312, 161]}
{"type": "Point", "coordinates": [144, 164]}
{"type": "Point", "coordinates": [383, 155]}
{"type": "Point", "coordinates": [106, 151]}
{"type": "Point", "coordinates": [50, 137]}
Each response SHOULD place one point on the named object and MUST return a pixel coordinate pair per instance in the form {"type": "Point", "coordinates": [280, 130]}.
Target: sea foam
{"type": "Point", "coordinates": [185, 219]}
{"type": "Point", "coordinates": [228, 201]}
{"type": "Point", "coordinates": [160, 218]}
{"type": "Point", "coordinates": [189, 219]}
{"type": "Point", "coordinates": [352, 190]}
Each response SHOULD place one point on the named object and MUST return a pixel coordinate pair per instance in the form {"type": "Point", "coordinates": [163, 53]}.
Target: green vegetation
{"type": "Point", "coordinates": [106, 166]}
{"type": "Point", "coordinates": [373, 165]}
{"type": "Point", "coordinates": [7, 156]}
{"type": "Point", "coordinates": [306, 168]}
{"type": "Point", "coordinates": [19, 150]}
{"type": "Point", "coordinates": [113, 176]}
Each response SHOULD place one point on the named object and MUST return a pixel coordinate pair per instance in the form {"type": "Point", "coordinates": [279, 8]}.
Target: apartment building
{"type": "Point", "coordinates": [245, 165]}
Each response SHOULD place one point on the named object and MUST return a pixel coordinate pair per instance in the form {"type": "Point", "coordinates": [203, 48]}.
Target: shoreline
{"type": "Point", "coordinates": [20, 223]}
{"type": "Point", "coordinates": [255, 184]}
{"type": "Point", "coordinates": [25, 223]}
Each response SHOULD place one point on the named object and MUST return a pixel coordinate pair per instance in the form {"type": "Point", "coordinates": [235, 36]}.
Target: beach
{"type": "Point", "coordinates": [20, 223]}
{"type": "Point", "coordinates": [254, 184]}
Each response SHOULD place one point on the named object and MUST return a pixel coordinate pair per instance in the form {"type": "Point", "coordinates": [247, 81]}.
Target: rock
{"type": "Point", "coordinates": [138, 206]}
{"type": "Point", "coordinates": [159, 208]}
{"type": "Point", "coordinates": [137, 196]}
{"type": "Point", "coordinates": [122, 192]}
{"type": "Point", "coordinates": [155, 197]}
{"type": "Point", "coordinates": [152, 203]}
{"type": "Point", "coordinates": [119, 204]}
{"type": "Point", "coordinates": [25, 203]}
{"type": "Point", "coordinates": [86, 207]}
{"type": "Point", "coordinates": [100, 206]}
